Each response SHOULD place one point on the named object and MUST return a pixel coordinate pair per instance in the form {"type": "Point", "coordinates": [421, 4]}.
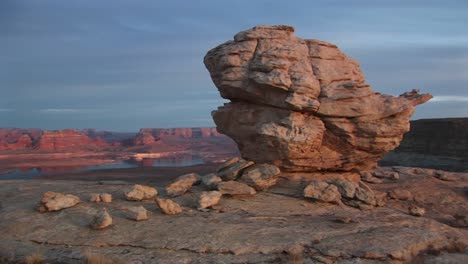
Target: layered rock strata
{"type": "Point", "coordinates": [303, 105]}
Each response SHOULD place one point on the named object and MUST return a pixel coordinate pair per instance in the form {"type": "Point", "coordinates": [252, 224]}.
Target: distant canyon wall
{"type": "Point", "coordinates": [433, 143]}
{"type": "Point", "coordinates": [50, 141]}
{"type": "Point", "coordinates": [147, 136]}
{"type": "Point", "coordinates": [90, 139]}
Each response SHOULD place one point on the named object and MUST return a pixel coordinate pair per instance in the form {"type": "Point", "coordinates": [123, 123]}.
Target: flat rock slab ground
{"type": "Point", "coordinates": [270, 227]}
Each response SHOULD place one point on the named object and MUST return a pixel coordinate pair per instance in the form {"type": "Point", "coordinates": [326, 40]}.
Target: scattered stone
{"type": "Point", "coordinates": [137, 213]}
{"type": "Point", "coordinates": [52, 201]}
{"type": "Point", "coordinates": [400, 194]}
{"type": "Point", "coordinates": [460, 220]}
{"type": "Point", "coordinates": [444, 176]}
{"type": "Point", "coordinates": [140, 192]}
{"type": "Point", "coordinates": [106, 197]}
{"type": "Point", "coordinates": [416, 211]}
{"type": "Point", "coordinates": [418, 171]}
{"type": "Point", "coordinates": [228, 163]}
{"type": "Point", "coordinates": [380, 198]}
{"type": "Point", "coordinates": [235, 188]}
{"type": "Point", "coordinates": [365, 194]}
{"type": "Point", "coordinates": [347, 189]}
{"type": "Point", "coordinates": [94, 197]}
{"type": "Point", "coordinates": [182, 184]}
{"type": "Point", "coordinates": [211, 181]}
{"type": "Point", "coordinates": [302, 104]}
{"type": "Point", "coordinates": [394, 176]}
{"type": "Point", "coordinates": [232, 172]}
{"type": "Point", "coordinates": [260, 176]}
{"type": "Point", "coordinates": [208, 199]}
{"type": "Point", "coordinates": [346, 220]}
{"type": "Point", "coordinates": [168, 206]}
{"type": "Point", "coordinates": [323, 192]}
{"type": "Point", "coordinates": [102, 219]}
{"type": "Point", "coordinates": [367, 176]}
{"type": "Point", "coordinates": [391, 175]}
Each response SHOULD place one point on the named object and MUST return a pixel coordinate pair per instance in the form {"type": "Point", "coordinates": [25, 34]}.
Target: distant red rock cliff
{"type": "Point", "coordinates": [148, 136]}
{"type": "Point", "coordinates": [18, 139]}
{"type": "Point", "coordinates": [90, 139]}
{"type": "Point", "coordinates": [55, 140]}
{"type": "Point", "coordinates": [68, 139]}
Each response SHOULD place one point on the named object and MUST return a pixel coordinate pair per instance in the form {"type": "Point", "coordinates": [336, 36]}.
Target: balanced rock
{"type": "Point", "coordinates": [52, 201]}
{"type": "Point", "coordinates": [102, 219]}
{"type": "Point", "coordinates": [260, 176]}
{"type": "Point", "coordinates": [303, 105]}
{"type": "Point", "coordinates": [168, 206]}
{"type": "Point", "coordinates": [137, 213]}
{"type": "Point", "coordinates": [235, 188]}
{"type": "Point", "coordinates": [208, 199]}
{"type": "Point", "coordinates": [140, 192]}
{"type": "Point", "coordinates": [182, 184]}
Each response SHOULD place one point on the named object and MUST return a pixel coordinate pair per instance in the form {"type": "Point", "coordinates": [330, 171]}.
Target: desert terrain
{"type": "Point", "coordinates": [290, 174]}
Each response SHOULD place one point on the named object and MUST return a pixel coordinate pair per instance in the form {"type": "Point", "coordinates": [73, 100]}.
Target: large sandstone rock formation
{"type": "Point", "coordinates": [303, 105]}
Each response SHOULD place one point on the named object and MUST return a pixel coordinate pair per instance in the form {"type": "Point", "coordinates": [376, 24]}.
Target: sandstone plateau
{"type": "Point", "coordinates": [274, 226]}
{"type": "Point", "coordinates": [433, 143]}
{"type": "Point", "coordinates": [303, 105]}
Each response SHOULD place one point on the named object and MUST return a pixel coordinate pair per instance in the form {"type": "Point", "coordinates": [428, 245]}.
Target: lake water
{"type": "Point", "coordinates": [30, 173]}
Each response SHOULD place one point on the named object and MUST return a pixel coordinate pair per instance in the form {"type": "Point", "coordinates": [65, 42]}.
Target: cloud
{"type": "Point", "coordinates": [449, 98]}
{"type": "Point", "coordinates": [6, 110]}
{"type": "Point", "coordinates": [63, 110]}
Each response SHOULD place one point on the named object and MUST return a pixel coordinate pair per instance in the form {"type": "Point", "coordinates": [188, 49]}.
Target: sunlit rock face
{"type": "Point", "coordinates": [303, 105]}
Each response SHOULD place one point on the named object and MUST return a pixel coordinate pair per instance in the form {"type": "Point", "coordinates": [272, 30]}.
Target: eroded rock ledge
{"type": "Point", "coordinates": [303, 105]}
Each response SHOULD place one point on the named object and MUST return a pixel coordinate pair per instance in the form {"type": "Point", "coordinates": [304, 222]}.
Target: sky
{"type": "Point", "coordinates": [122, 65]}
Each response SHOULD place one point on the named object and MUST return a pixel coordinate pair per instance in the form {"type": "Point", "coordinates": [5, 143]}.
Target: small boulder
{"type": "Point", "coordinates": [235, 188]}
{"type": "Point", "coordinates": [168, 206]}
{"type": "Point", "coordinates": [347, 189]}
{"type": "Point", "coordinates": [391, 175]}
{"type": "Point", "coordinates": [232, 172]}
{"type": "Point", "coordinates": [105, 197]}
{"type": "Point", "coordinates": [137, 213]}
{"type": "Point", "coordinates": [52, 201]}
{"type": "Point", "coordinates": [211, 181]}
{"type": "Point", "coordinates": [394, 175]}
{"type": "Point", "coordinates": [182, 184]}
{"type": "Point", "coordinates": [140, 192]}
{"type": "Point", "coordinates": [367, 176]}
{"type": "Point", "coordinates": [416, 211]}
{"type": "Point", "coordinates": [443, 176]}
{"type": "Point", "coordinates": [102, 219]}
{"type": "Point", "coordinates": [94, 197]}
{"type": "Point", "coordinates": [399, 194]}
{"type": "Point", "coordinates": [228, 163]}
{"type": "Point", "coordinates": [260, 176]}
{"type": "Point", "coordinates": [208, 199]}
{"type": "Point", "coordinates": [323, 192]}
{"type": "Point", "coordinates": [365, 194]}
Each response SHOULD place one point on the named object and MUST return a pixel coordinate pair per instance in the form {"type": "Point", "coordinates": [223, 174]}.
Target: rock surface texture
{"type": "Point", "coordinates": [273, 226]}
{"type": "Point", "coordinates": [303, 105]}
